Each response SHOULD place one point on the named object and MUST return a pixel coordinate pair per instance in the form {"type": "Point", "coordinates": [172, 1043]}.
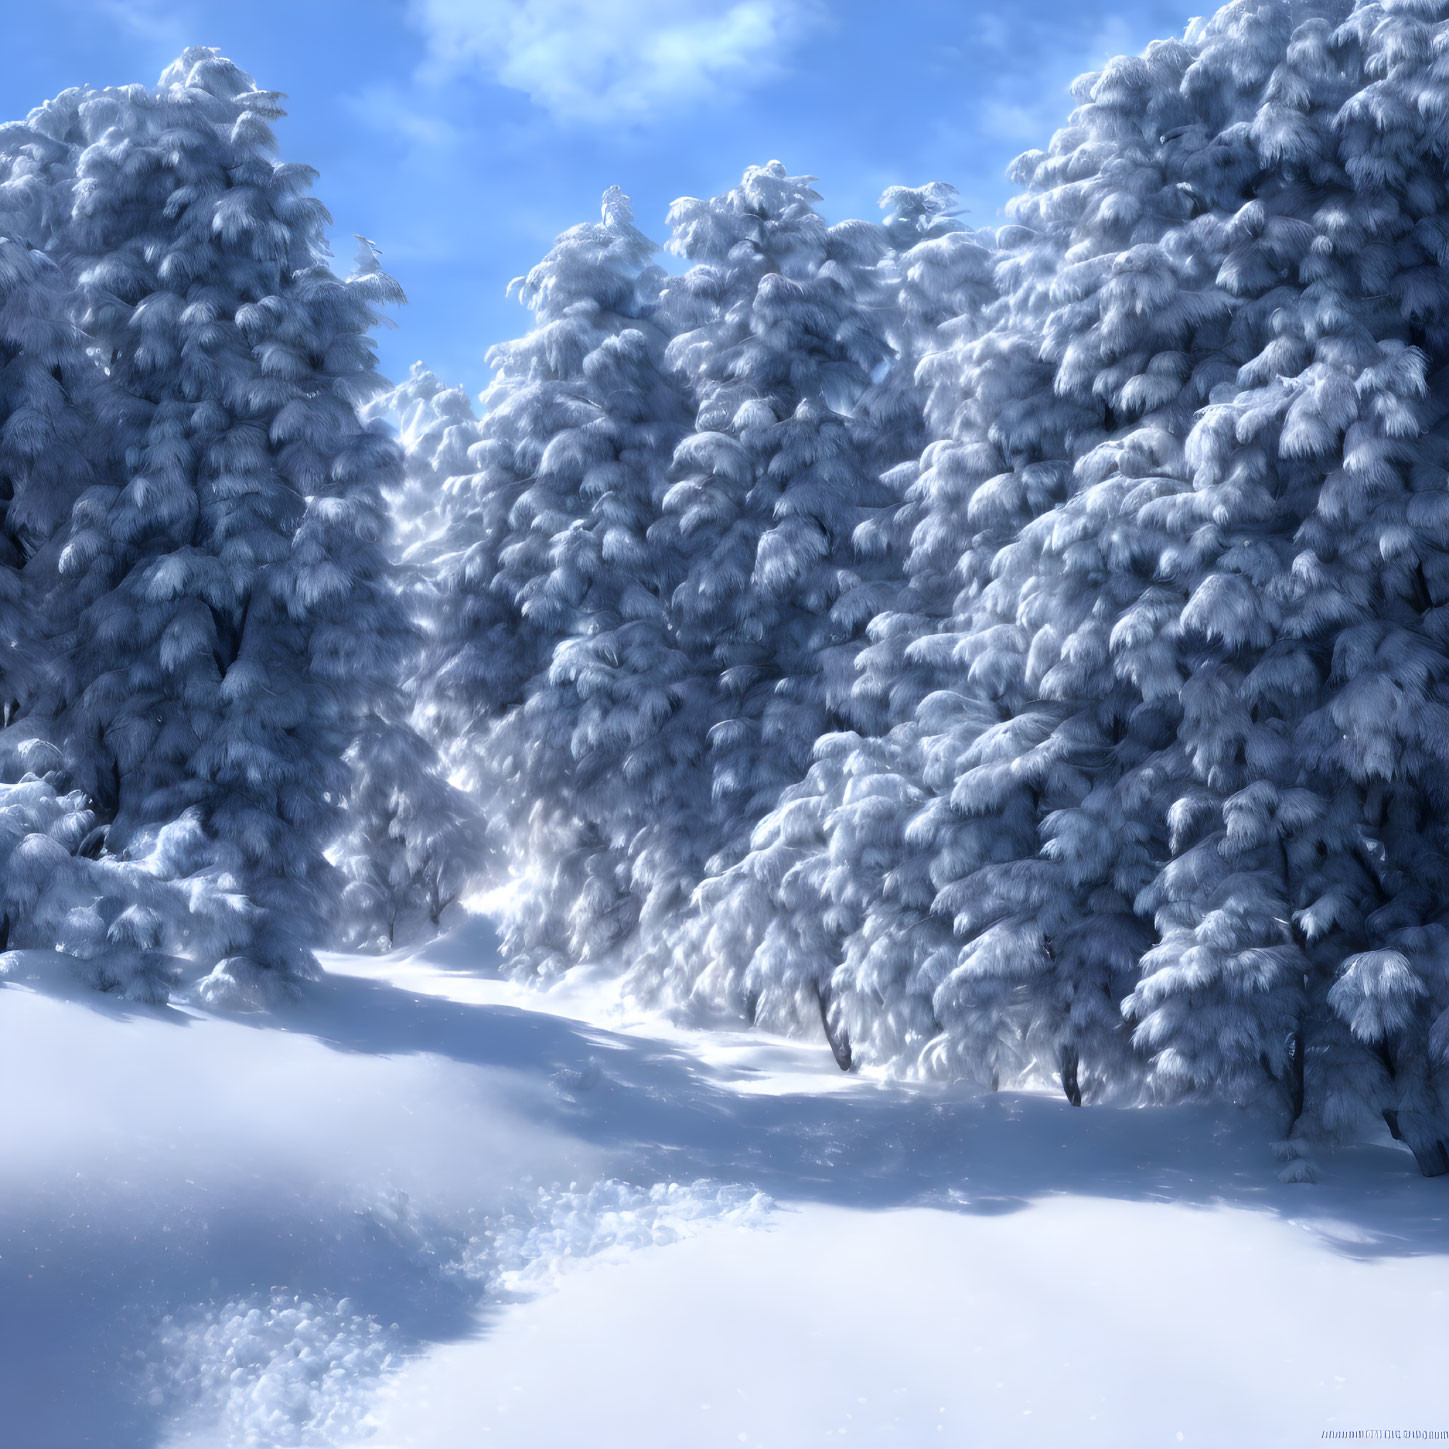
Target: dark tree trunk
{"type": "Point", "coordinates": [1424, 1138]}
{"type": "Point", "coordinates": [1426, 1141]}
{"type": "Point", "coordinates": [752, 1006]}
{"type": "Point", "coordinates": [1432, 1157]}
{"type": "Point", "coordinates": [1295, 1077]}
{"type": "Point", "coordinates": [1070, 1062]}
{"type": "Point", "coordinates": [839, 1042]}
{"type": "Point", "coordinates": [106, 799]}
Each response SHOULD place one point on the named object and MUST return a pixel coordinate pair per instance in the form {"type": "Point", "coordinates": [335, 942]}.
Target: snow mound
{"type": "Point", "coordinates": [530, 1253]}
{"type": "Point", "coordinates": [260, 1372]}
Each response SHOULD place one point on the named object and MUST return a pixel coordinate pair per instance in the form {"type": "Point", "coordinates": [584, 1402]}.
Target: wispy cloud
{"type": "Point", "coordinates": [386, 109]}
{"type": "Point", "coordinates": [160, 23]}
{"type": "Point", "coordinates": [1029, 98]}
{"type": "Point", "coordinates": [610, 61]}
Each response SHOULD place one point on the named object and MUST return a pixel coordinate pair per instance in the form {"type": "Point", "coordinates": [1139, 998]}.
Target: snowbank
{"type": "Point", "coordinates": [407, 1209]}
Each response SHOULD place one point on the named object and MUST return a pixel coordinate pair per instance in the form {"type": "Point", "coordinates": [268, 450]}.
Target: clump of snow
{"type": "Point", "coordinates": [530, 1251]}
{"type": "Point", "coordinates": [279, 1369]}
{"type": "Point", "coordinates": [1298, 1165]}
{"type": "Point", "coordinates": [1298, 1169]}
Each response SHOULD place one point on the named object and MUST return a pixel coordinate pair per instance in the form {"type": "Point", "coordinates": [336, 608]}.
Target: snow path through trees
{"type": "Point", "coordinates": [425, 1206]}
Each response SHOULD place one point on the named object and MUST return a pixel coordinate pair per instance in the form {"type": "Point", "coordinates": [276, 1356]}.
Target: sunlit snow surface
{"type": "Point", "coordinates": [428, 1207]}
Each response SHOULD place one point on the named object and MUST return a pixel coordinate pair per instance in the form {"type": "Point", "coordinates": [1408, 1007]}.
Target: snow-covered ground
{"type": "Point", "coordinates": [425, 1207]}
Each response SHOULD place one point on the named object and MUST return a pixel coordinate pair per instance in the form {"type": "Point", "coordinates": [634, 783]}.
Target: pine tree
{"type": "Point", "coordinates": [774, 480]}
{"type": "Point", "coordinates": [1169, 679]}
{"type": "Point", "coordinates": [223, 611]}
{"type": "Point", "coordinates": [437, 428]}
{"type": "Point", "coordinates": [56, 900]}
{"type": "Point", "coordinates": [551, 660]}
{"type": "Point", "coordinates": [414, 843]}
{"type": "Point", "coordinates": [770, 932]}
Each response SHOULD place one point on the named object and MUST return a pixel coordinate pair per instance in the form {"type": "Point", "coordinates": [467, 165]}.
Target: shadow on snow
{"type": "Point", "coordinates": [666, 1114]}
{"type": "Point", "coordinates": [655, 1111]}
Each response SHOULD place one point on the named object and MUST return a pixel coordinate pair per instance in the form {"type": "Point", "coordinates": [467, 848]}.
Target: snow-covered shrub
{"type": "Point", "coordinates": [63, 910]}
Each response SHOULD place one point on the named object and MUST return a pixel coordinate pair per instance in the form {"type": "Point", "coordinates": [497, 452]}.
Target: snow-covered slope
{"type": "Point", "coordinates": [917, 1326]}
{"type": "Point", "coordinates": [426, 1207]}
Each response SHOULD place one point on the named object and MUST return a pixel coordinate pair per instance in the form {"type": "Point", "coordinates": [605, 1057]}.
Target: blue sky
{"type": "Point", "coordinates": [463, 135]}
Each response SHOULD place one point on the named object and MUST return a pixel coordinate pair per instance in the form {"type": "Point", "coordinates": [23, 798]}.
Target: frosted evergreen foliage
{"type": "Point", "coordinates": [414, 842]}
{"type": "Point", "coordinates": [1157, 788]}
{"type": "Point", "coordinates": [787, 330]}
{"type": "Point", "coordinates": [778, 473]}
{"type": "Point", "coordinates": [552, 678]}
{"type": "Point", "coordinates": [437, 427]}
{"type": "Point", "coordinates": [59, 905]}
{"type": "Point", "coordinates": [499, 602]}
{"type": "Point", "coordinates": [215, 603]}
{"type": "Point", "coordinates": [1015, 655]}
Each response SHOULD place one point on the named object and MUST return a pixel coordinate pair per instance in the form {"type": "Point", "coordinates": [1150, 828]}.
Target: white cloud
{"type": "Point", "coordinates": [165, 25]}
{"type": "Point", "coordinates": [615, 60]}
{"type": "Point", "coordinates": [1024, 125]}
{"type": "Point", "coordinates": [1030, 100]}
{"type": "Point", "coordinates": [386, 110]}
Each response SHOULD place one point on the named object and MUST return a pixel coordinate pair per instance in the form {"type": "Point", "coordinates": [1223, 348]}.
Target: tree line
{"type": "Point", "coordinates": [1010, 652]}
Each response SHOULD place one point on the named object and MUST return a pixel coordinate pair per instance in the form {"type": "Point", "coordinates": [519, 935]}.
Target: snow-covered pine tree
{"type": "Point", "coordinates": [224, 613]}
{"type": "Point", "coordinates": [1371, 576]}
{"type": "Point", "coordinates": [1311, 717]}
{"type": "Point", "coordinates": [491, 555]}
{"type": "Point", "coordinates": [619, 721]}
{"type": "Point", "coordinates": [886, 988]}
{"type": "Point", "coordinates": [821, 924]}
{"type": "Point", "coordinates": [55, 899]}
{"type": "Point", "coordinates": [768, 935]}
{"type": "Point", "coordinates": [437, 428]}
{"type": "Point", "coordinates": [1050, 936]}
{"type": "Point", "coordinates": [413, 843]}
{"type": "Point", "coordinates": [775, 478]}
{"type": "Point", "coordinates": [1184, 515]}
{"type": "Point", "coordinates": [551, 663]}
